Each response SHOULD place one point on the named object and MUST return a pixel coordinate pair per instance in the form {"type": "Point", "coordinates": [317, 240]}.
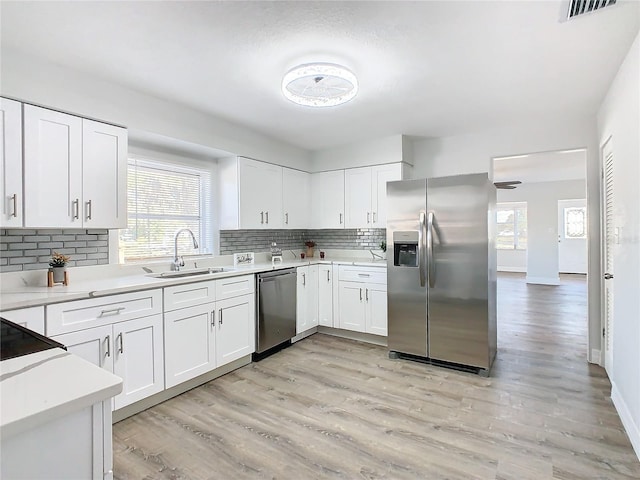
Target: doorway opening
{"type": "Point", "coordinates": [542, 235]}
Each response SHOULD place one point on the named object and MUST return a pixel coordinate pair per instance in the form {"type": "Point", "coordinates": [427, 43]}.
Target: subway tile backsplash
{"type": "Point", "coordinates": [22, 249]}
{"type": "Point", "coordinates": [233, 241]}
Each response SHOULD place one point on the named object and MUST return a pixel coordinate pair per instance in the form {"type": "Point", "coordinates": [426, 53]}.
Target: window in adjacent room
{"type": "Point", "coordinates": [163, 198]}
{"type": "Point", "coordinates": [512, 226]}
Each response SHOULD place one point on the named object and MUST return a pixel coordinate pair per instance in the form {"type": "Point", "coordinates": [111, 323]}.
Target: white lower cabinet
{"type": "Point", "coordinates": [132, 349]}
{"type": "Point", "coordinates": [325, 295]}
{"type": "Point", "coordinates": [203, 337]}
{"type": "Point", "coordinates": [306, 298]}
{"type": "Point", "coordinates": [362, 300]}
{"type": "Point", "coordinates": [30, 317]}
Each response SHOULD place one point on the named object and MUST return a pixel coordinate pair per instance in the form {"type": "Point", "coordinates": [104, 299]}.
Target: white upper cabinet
{"type": "Point", "coordinates": [75, 171]}
{"type": "Point", "coordinates": [11, 162]}
{"type": "Point", "coordinates": [296, 198]}
{"type": "Point", "coordinates": [250, 194]}
{"type": "Point", "coordinates": [104, 179]}
{"type": "Point", "coordinates": [327, 197]}
{"type": "Point", "coordinates": [366, 195]}
{"type": "Point", "coordinates": [52, 168]}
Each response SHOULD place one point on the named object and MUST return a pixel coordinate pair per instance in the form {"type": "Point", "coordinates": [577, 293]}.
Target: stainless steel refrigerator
{"type": "Point", "coordinates": [441, 270]}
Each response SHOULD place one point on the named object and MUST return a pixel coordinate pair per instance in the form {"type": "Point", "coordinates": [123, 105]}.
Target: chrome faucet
{"type": "Point", "coordinates": [179, 261]}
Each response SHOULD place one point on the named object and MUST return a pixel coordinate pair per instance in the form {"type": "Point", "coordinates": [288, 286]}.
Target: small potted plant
{"type": "Point", "coordinates": [310, 245]}
{"type": "Point", "coordinates": [58, 266]}
{"type": "Point", "coordinates": [383, 246]}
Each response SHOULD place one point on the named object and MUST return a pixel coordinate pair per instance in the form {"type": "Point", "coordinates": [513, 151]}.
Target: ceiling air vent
{"type": "Point", "coordinates": [580, 7]}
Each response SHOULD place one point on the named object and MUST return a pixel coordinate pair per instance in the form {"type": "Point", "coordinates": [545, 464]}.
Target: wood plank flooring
{"type": "Point", "coordinates": [333, 408]}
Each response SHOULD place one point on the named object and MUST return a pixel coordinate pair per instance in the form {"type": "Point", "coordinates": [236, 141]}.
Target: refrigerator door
{"type": "Point", "coordinates": [458, 265]}
{"type": "Point", "coordinates": [406, 268]}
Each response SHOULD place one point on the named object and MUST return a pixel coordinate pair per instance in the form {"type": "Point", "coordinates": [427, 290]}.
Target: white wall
{"type": "Point", "coordinates": [512, 261]}
{"type": "Point", "coordinates": [542, 224]}
{"type": "Point", "coordinates": [619, 119]}
{"type": "Point", "coordinates": [473, 153]}
{"type": "Point", "coordinates": [360, 154]}
{"type": "Point", "coordinates": [38, 81]}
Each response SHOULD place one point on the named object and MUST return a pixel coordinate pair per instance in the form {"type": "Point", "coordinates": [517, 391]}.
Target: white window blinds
{"type": "Point", "coordinates": [162, 199]}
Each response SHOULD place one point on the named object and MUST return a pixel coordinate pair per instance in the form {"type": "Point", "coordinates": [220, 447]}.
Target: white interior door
{"type": "Point", "coordinates": [608, 241]}
{"type": "Point", "coordinates": [572, 236]}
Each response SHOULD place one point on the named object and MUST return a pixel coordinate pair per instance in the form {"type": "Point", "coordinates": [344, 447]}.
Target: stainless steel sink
{"type": "Point", "coordinates": [190, 273]}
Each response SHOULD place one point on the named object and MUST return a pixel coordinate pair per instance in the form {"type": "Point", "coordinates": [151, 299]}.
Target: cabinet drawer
{"type": "Point", "coordinates": [234, 286]}
{"type": "Point", "coordinates": [81, 314]}
{"type": "Point", "coordinates": [189, 295]}
{"type": "Point", "coordinates": [31, 318]}
{"type": "Point", "coordinates": [362, 274]}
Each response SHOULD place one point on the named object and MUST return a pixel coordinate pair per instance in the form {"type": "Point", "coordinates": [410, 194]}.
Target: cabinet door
{"type": "Point", "coordinates": [327, 199]}
{"type": "Point", "coordinates": [139, 358]}
{"type": "Point", "coordinates": [312, 296]}
{"type": "Point", "coordinates": [31, 318]}
{"type": "Point", "coordinates": [302, 319]}
{"type": "Point", "coordinates": [11, 162]}
{"type": "Point", "coordinates": [260, 194]}
{"type": "Point", "coordinates": [325, 295]}
{"type": "Point", "coordinates": [376, 317]}
{"type": "Point", "coordinates": [357, 197]}
{"type": "Point", "coordinates": [95, 345]}
{"type": "Point", "coordinates": [189, 339]}
{"type": "Point", "coordinates": [380, 175]}
{"type": "Point", "coordinates": [104, 181]}
{"type": "Point", "coordinates": [296, 198]}
{"type": "Point", "coordinates": [52, 169]}
{"type": "Point", "coordinates": [352, 306]}
{"type": "Point", "coordinates": [235, 330]}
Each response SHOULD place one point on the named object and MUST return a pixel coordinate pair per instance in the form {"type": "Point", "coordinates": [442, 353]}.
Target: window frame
{"type": "Point", "coordinates": [514, 207]}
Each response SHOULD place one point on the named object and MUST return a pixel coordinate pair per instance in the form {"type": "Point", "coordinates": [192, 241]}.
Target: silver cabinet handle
{"type": "Point", "coordinates": [14, 199]}
{"type": "Point", "coordinates": [304, 279]}
{"type": "Point", "coordinates": [374, 217]}
{"type": "Point", "coordinates": [286, 219]}
{"type": "Point", "coordinates": [368, 217]}
{"type": "Point", "coordinates": [108, 342]}
{"type": "Point", "coordinates": [121, 349]}
{"type": "Point", "coordinates": [430, 260]}
{"type": "Point", "coordinates": [421, 249]}
{"type": "Point", "coordinates": [340, 219]}
{"type": "Point", "coordinates": [360, 294]}
{"type": "Point", "coordinates": [89, 210]}
{"type": "Point", "coordinates": [213, 318]}
{"type": "Point", "coordinates": [220, 316]}
{"type": "Point", "coordinates": [112, 311]}
{"type": "Point", "coordinates": [328, 276]}
{"type": "Point", "coordinates": [366, 292]}
{"type": "Point", "coordinates": [261, 217]}
{"type": "Point", "coordinates": [267, 215]}
{"type": "Point", "coordinates": [76, 208]}
{"type": "Point", "coordinates": [364, 275]}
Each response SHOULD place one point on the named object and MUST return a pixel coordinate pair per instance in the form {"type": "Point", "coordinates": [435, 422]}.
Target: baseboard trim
{"type": "Point", "coordinates": [633, 430]}
{"type": "Point", "coordinates": [596, 357]}
{"type": "Point", "coordinates": [304, 334]}
{"type": "Point", "coordinates": [351, 335]}
{"type": "Point", "coordinates": [543, 280]}
{"type": "Point", "coordinates": [512, 269]}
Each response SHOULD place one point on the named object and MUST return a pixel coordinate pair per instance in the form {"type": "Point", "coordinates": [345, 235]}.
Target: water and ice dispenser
{"type": "Point", "coordinates": [405, 248]}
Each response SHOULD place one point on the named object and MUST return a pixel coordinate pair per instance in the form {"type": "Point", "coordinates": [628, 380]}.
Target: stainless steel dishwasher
{"type": "Point", "coordinates": [275, 310]}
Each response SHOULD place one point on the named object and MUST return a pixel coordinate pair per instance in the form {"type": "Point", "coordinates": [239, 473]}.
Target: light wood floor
{"type": "Point", "coordinates": [333, 408]}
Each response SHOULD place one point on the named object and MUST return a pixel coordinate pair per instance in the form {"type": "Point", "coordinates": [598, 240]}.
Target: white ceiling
{"type": "Point", "coordinates": [542, 167]}
{"type": "Point", "coordinates": [431, 68]}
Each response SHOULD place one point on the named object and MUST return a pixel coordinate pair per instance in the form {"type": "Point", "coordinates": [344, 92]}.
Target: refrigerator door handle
{"type": "Point", "coordinates": [430, 259]}
{"type": "Point", "coordinates": [421, 232]}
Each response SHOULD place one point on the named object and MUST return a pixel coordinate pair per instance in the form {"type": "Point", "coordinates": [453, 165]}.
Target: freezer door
{"type": "Point", "coordinates": [406, 270]}
{"type": "Point", "coordinates": [457, 257]}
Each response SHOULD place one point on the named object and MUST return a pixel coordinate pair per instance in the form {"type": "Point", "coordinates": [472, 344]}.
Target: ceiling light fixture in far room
{"type": "Point", "coordinates": [319, 85]}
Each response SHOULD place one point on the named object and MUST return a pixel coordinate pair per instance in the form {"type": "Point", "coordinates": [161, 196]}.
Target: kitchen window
{"type": "Point", "coordinates": [512, 226]}
{"type": "Point", "coordinates": [163, 198]}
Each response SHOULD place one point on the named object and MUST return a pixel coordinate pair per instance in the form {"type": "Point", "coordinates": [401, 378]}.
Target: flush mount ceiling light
{"type": "Point", "coordinates": [319, 85]}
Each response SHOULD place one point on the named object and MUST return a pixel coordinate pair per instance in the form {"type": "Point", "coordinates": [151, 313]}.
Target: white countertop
{"type": "Point", "coordinates": [15, 297]}
{"type": "Point", "coordinates": [44, 386]}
